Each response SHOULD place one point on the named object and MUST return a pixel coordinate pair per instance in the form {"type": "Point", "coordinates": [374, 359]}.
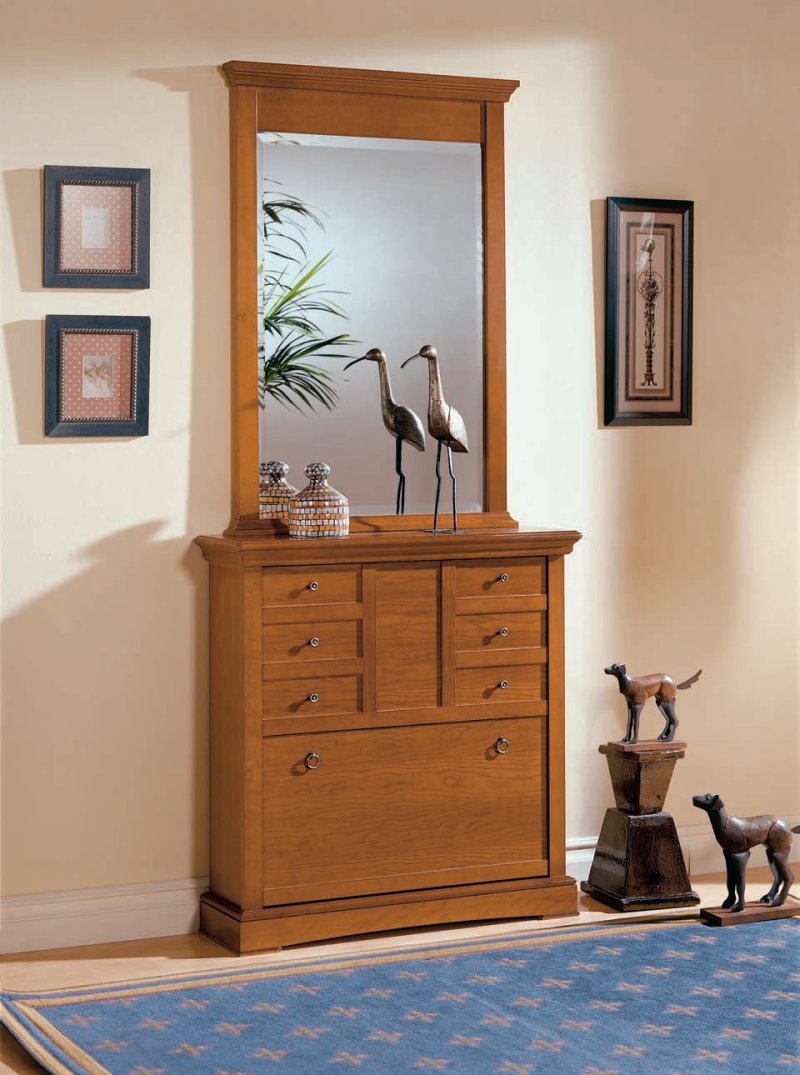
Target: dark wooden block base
{"type": "Point", "coordinates": [639, 903]}
{"type": "Point", "coordinates": [751, 912]}
{"type": "Point", "coordinates": [638, 864]}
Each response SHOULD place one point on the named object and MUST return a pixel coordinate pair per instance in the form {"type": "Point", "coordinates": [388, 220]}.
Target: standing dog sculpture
{"type": "Point", "coordinates": [637, 689]}
{"type": "Point", "coordinates": [736, 835]}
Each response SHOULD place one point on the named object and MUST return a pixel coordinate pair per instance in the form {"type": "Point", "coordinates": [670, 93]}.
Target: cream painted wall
{"type": "Point", "coordinates": [690, 549]}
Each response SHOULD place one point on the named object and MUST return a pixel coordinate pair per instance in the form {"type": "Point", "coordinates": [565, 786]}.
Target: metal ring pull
{"type": "Point", "coordinates": [502, 746]}
{"type": "Point", "coordinates": [313, 642]}
{"type": "Point", "coordinates": [313, 585]}
{"type": "Point", "coordinates": [503, 632]}
{"type": "Point", "coordinates": [313, 761]}
{"type": "Point", "coordinates": [503, 684]}
{"type": "Point", "coordinates": [503, 577]}
{"type": "Point", "coordinates": [313, 697]}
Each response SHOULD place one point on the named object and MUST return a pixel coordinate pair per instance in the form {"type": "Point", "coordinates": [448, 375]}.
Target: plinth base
{"type": "Point", "coordinates": [639, 903]}
{"type": "Point", "coordinates": [638, 864]}
{"type": "Point", "coordinates": [751, 912]}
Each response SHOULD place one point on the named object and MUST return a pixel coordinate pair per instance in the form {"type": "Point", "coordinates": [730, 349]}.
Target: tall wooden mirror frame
{"type": "Point", "coordinates": [375, 104]}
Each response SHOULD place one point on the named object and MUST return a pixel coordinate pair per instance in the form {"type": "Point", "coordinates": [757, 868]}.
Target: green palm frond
{"type": "Point", "coordinates": [294, 302]}
{"type": "Point", "coordinates": [286, 371]}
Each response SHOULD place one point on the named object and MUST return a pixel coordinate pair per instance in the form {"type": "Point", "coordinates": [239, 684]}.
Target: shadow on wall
{"type": "Point", "coordinates": [25, 351]}
{"type": "Point", "coordinates": [24, 194]}
{"type": "Point", "coordinates": [207, 99]}
{"type": "Point", "coordinates": [86, 667]}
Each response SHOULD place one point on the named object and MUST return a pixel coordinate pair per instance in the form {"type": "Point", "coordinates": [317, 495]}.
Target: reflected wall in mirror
{"type": "Point", "coordinates": [396, 232]}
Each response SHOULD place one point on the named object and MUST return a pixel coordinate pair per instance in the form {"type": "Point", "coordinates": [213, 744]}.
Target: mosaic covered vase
{"type": "Point", "coordinates": [275, 494]}
{"type": "Point", "coordinates": [319, 511]}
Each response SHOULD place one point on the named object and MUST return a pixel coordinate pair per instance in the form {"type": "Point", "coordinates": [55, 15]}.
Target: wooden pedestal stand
{"type": "Point", "coordinates": [638, 863]}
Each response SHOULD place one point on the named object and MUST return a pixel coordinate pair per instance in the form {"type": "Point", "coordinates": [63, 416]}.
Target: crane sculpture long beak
{"type": "Point", "coordinates": [349, 364]}
{"type": "Point", "coordinates": [411, 359]}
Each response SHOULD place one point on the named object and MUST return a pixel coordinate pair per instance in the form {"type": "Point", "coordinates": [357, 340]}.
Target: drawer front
{"type": "Point", "coordinates": [310, 696]}
{"type": "Point", "coordinates": [501, 684]}
{"type": "Point", "coordinates": [299, 586]}
{"type": "Point", "coordinates": [501, 578]}
{"type": "Point", "coordinates": [310, 641]}
{"type": "Point", "coordinates": [388, 809]}
{"type": "Point", "coordinates": [490, 631]}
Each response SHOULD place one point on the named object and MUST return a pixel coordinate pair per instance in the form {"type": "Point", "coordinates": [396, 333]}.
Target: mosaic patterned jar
{"type": "Point", "coordinates": [319, 511]}
{"type": "Point", "coordinates": [275, 495]}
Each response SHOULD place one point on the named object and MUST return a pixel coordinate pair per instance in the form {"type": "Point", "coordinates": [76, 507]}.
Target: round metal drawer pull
{"type": "Point", "coordinates": [314, 585]}
{"type": "Point", "coordinates": [503, 632]}
{"type": "Point", "coordinates": [503, 577]}
{"type": "Point", "coordinates": [313, 642]}
{"type": "Point", "coordinates": [313, 761]}
{"type": "Point", "coordinates": [313, 697]}
{"type": "Point", "coordinates": [503, 684]}
{"type": "Point", "coordinates": [502, 746]}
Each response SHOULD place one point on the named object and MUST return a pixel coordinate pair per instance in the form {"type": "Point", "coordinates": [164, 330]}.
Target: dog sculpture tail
{"type": "Point", "coordinates": [688, 682]}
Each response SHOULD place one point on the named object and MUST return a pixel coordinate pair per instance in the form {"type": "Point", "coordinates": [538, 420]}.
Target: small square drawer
{"type": "Point", "coordinates": [502, 684]}
{"type": "Point", "coordinates": [489, 631]}
{"type": "Point", "coordinates": [311, 641]}
{"type": "Point", "coordinates": [312, 696]}
{"type": "Point", "coordinates": [501, 578]}
{"type": "Point", "coordinates": [323, 585]}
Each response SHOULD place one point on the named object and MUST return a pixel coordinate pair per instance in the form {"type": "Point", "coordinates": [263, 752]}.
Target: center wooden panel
{"type": "Point", "coordinates": [397, 808]}
{"type": "Point", "coordinates": [407, 634]}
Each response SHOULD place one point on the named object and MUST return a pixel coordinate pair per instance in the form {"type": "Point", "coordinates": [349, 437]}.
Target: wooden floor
{"type": "Point", "coordinates": [126, 960]}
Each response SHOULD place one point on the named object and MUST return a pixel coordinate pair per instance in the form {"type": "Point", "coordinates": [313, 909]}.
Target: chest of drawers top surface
{"type": "Point", "coordinates": [279, 549]}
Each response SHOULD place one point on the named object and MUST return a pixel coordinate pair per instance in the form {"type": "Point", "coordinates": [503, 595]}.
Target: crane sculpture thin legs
{"type": "Point", "coordinates": [400, 506]}
{"type": "Point", "coordinates": [439, 486]}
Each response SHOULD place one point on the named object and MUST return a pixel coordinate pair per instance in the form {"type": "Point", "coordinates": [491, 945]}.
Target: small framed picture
{"type": "Point", "coordinates": [96, 227]}
{"type": "Point", "coordinates": [97, 375]}
{"type": "Point", "coordinates": [648, 360]}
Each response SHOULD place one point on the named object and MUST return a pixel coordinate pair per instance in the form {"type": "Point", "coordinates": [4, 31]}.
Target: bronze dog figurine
{"type": "Point", "coordinates": [637, 689]}
{"type": "Point", "coordinates": [736, 835]}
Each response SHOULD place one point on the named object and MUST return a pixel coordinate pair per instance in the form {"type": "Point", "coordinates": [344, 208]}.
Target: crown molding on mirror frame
{"type": "Point", "coordinates": [372, 104]}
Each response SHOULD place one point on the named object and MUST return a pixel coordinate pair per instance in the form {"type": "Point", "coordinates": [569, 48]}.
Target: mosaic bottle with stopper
{"type": "Point", "coordinates": [319, 510]}
{"type": "Point", "coordinates": [275, 494]}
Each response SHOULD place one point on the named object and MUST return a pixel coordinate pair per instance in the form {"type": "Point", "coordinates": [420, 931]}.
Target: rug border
{"type": "Point", "coordinates": [108, 990]}
{"type": "Point", "coordinates": [53, 1048]}
{"type": "Point", "coordinates": [46, 1050]}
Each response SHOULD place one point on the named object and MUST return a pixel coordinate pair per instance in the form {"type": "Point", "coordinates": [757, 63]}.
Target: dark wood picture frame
{"type": "Point", "coordinates": [96, 227]}
{"type": "Point", "coordinates": [93, 394]}
{"type": "Point", "coordinates": [648, 345]}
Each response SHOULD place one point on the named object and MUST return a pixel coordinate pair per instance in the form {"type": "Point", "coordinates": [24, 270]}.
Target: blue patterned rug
{"type": "Point", "coordinates": [673, 998]}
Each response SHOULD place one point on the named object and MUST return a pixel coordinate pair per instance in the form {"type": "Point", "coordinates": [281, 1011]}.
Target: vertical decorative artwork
{"type": "Point", "coordinates": [96, 376]}
{"type": "Point", "coordinates": [648, 311]}
{"type": "Point", "coordinates": [96, 227]}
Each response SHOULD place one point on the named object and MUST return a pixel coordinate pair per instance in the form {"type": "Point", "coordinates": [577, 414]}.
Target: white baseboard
{"type": "Point", "coordinates": [99, 915]}
{"type": "Point", "coordinates": [131, 912]}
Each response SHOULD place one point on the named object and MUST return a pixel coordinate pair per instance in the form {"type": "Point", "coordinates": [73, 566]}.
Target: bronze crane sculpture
{"type": "Point", "coordinates": [400, 421]}
{"type": "Point", "coordinates": [445, 425]}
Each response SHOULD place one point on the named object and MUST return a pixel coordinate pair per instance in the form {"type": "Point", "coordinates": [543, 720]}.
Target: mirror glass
{"type": "Point", "coordinates": [384, 238]}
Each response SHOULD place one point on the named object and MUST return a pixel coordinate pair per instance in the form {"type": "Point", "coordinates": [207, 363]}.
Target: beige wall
{"type": "Point", "coordinates": [690, 549]}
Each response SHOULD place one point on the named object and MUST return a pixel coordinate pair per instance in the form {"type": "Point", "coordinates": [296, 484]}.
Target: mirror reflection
{"type": "Point", "coordinates": [370, 243]}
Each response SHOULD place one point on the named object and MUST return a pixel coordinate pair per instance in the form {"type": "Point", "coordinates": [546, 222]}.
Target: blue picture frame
{"type": "Point", "coordinates": [133, 270]}
{"type": "Point", "coordinates": [133, 418]}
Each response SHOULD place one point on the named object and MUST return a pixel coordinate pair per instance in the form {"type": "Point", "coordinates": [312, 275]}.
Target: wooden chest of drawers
{"type": "Point", "coordinates": [386, 733]}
